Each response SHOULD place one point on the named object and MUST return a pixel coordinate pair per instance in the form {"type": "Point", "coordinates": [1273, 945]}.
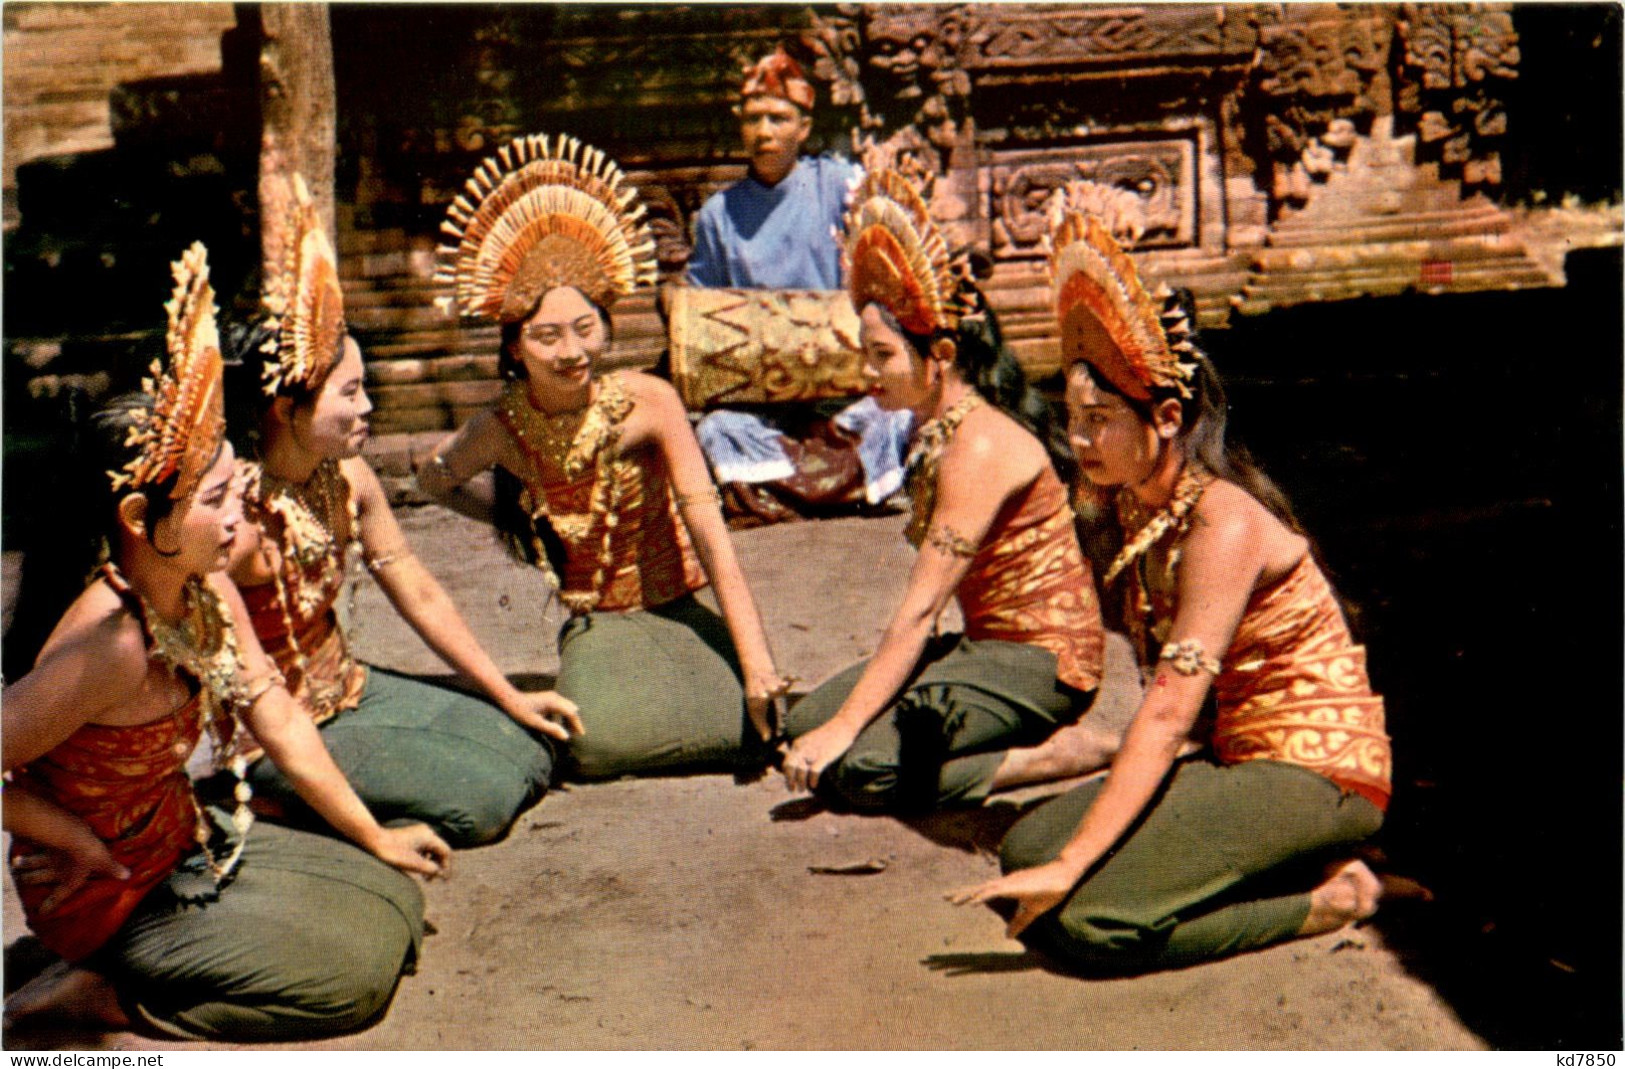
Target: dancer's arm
{"type": "Point", "coordinates": [666, 421]}
{"type": "Point", "coordinates": [294, 745]}
{"type": "Point", "coordinates": [1222, 559]}
{"type": "Point", "coordinates": [56, 847]}
{"type": "Point", "coordinates": [975, 478]}
{"type": "Point", "coordinates": [424, 603]}
{"type": "Point", "coordinates": [449, 475]}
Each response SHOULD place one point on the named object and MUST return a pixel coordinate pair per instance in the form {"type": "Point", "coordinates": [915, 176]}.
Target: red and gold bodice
{"type": "Point", "coordinates": [311, 526]}
{"type": "Point", "coordinates": [1293, 686]}
{"type": "Point", "coordinates": [1029, 583]}
{"type": "Point", "coordinates": [625, 546]}
{"type": "Point", "coordinates": [130, 785]}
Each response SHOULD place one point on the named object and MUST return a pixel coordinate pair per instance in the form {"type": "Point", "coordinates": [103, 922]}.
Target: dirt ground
{"type": "Point", "coordinates": [682, 913]}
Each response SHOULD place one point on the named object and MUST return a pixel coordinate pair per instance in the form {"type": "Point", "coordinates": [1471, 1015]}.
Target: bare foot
{"type": "Point", "coordinates": [66, 994]}
{"type": "Point", "coordinates": [1075, 750]}
{"type": "Point", "coordinates": [1349, 894]}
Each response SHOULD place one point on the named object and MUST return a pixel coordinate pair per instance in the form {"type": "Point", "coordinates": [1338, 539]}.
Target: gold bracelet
{"type": "Point", "coordinates": [950, 541]}
{"type": "Point", "coordinates": [378, 564]}
{"type": "Point", "coordinates": [1188, 657]}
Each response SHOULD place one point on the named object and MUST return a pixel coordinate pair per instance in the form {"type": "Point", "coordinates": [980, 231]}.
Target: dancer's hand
{"type": "Point", "coordinates": [806, 758]}
{"type": "Point", "coordinates": [1035, 892]}
{"type": "Point", "coordinates": [65, 870]}
{"type": "Point", "coordinates": [413, 848]}
{"type": "Point", "coordinates": [549, 712]}
{"type": "Point", "coordinates": [762, 690]}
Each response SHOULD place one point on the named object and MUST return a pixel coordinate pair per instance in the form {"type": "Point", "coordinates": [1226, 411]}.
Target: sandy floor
{"type": "Point", "coordinates": [681, 913]}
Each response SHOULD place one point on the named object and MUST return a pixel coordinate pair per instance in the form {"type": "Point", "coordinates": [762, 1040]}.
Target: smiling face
{"type": "Point", "coordinates": [560, 344]}
{"type": "Point", "coordinates": [1113, 443]}
{"type": "Point", "coordinates": [195, 538]}
{"type": "Point", "coordinates": [774, 131]}
{"type": "Point", "coordinates": [897, 376]}
{"type": "Point", "coordinates": [334, 424]}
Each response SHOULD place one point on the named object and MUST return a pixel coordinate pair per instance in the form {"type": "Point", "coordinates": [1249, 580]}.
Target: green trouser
{"type": "Point", "coordinates": [307, 940]}
{"type": "Point", "coordinates": [1191, 882]}
{"type": "Point", "coordinates": [944, 737]}
{"type": "Point", "coordinates": [659, 691]}
{"type": "Point", "coordinates": [415, 751]}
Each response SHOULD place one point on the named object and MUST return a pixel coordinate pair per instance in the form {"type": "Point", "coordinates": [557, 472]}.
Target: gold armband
{"type": "Point", "coordinates": [1188, 657]}
{"type": "Point", "coordinates": [378, 564]}
{"type": "Point", "coordinates": [702, 497]}
{"type": "Point", "coordinates": [252, 690]}
{"type": "Point", "coordinates": [950, 541]}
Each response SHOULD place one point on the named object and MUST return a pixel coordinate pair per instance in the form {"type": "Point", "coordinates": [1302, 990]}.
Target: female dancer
{"type": "Point", "coordinates": [930, 721]}
{"type": "Point", "coordinates": [1165, 863]}
{"type": "Point", "coordinates": [600, 481]}
{"type": "Point", "coordinates": [410, 749]}
{"type": "Point", "coordinates": [173, 916]}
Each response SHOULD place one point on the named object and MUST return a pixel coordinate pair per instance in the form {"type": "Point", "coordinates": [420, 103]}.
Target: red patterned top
{"type": "Point", "coordinates": [1029, 583]}
{"type": "Point", "coordinates": [650, 560]}
{"type": "Point", "coordinates": [295, 615]}
{"type": "Point", "coordinates": [1294, 688]}
{"type": "Point", "coordinates": [129, 783]}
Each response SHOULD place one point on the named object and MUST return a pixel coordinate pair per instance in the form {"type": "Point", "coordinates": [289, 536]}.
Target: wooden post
{"type": "Point", "coordinates": [297, 105]}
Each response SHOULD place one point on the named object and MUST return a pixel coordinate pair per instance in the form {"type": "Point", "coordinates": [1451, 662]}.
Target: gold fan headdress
{"type": "Point", "coordinates": [540, 214]}
{"type": "Point", "coordinates": [305, 302]}
{"type": "Point", "coordinates": [1098, 297]}
{"type": "Point", "coordinates": [897, 258]}
{"type": "Point", "coordinates": [181, 433]}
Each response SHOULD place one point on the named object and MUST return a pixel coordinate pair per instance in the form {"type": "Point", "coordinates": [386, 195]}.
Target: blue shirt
{"type": "Point", "coordinates": [753, 236]}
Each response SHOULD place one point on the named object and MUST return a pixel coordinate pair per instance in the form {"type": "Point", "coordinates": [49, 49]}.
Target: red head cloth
{"type": "Point", "coordinates": [778, 75]}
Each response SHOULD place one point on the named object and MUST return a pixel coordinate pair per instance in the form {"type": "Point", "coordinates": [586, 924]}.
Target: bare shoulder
{"type": "Point", "coordinates": [364, 485]}
{"type": "Point", "coordinates": [100, 630]}
{"type": "Point", "coordinates": [1232, 521]}
{"type": "Point", "coordinates": [991, 445]}
{"type": "Point", "coordinates": [992, 437]}
{"type": "Point", "coordinates": [649, 390]}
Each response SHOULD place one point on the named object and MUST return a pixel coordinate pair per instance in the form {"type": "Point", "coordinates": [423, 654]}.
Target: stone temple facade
{"type": "Point", "coordinates": [1265, 155]}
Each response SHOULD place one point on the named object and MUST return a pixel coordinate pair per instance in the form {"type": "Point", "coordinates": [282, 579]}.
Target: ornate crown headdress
{"type": "Point", "coordinates": [305, 301]}
{"type": "Point", "coordinates": [182, 431]}
{"type": "Point", "coordinates": [544, 213]}
{"type": "Point", "coordinates": [1097, 290]}
{"type": "Point", "coordinates": [896, 256]}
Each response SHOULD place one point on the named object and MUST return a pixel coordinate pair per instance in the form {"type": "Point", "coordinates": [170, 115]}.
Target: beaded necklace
{"type": "Point", "coordinates": [924, 455]}
{"type": "Point", "coordinates": [569, 442]}
{"type": "Point", "coordinates": [309, 513]}
{"type": "Point", "coordinates": [203, 646]}
{"type": "Point", "coordinates": [1148, 531]}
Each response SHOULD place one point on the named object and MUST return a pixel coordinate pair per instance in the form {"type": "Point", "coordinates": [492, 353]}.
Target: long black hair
{"type": "Point", "coordinates": [983, 361]}
{"type": "Point", "coordinates": [78, 529]}
{"type": "Point", "coordinates": [518, 533]}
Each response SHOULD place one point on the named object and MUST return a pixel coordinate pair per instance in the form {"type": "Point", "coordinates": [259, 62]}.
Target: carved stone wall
{"type": "Point", "coordinates": [1265, 155]}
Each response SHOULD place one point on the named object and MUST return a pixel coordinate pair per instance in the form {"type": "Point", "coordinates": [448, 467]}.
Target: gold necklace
{"type": "Point", "coordinates": [203, 645]}
{"type": "Point", "coordinates": [569, 442]}
{"type": "Point", "coordinates": [1173, 517]}
{"type": "Point", "coordinates": [923, 457]}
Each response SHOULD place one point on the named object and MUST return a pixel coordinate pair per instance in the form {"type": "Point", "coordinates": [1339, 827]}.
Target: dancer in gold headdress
{"type": "Point", "coordinates": [931, 720]}
{"type": "Point", "coordinates": [1142, 870]}
{"type": "Point", "coordinates": [600, 481]}
{"type": "Point", "coordinates": [411, 749]}
{"type": "Point", "coordinates": [193, 921]}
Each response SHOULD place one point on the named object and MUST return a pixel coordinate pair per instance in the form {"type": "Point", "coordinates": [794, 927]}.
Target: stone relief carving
{"type": "Point", "coordinates": [1455, 57]}
{"type": "Point", "coordinates": [1147, 182]}
{"type": "Point", "coordinates": [1023, 35]}
{"type": "Point", "coordinates": [1318, 84]}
